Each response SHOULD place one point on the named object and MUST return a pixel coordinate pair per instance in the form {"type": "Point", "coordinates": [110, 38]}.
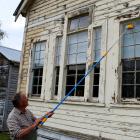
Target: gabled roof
{"type": "Point", "coordinates": [10, 54]}
{"type": "Point", "coordinates": [22, 8]}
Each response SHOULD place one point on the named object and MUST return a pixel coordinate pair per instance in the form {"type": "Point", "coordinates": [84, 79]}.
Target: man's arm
{"type": "Point", "coordinates": [26, 131]}
{"type": "Point", "coordinates": [15, 129]}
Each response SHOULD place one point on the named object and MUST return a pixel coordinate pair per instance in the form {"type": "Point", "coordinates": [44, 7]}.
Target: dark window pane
{"type": "Point", "coordinates": [138, 64]}
{"type": "Point", "coordinates": [36, 72]}
{"type": "Point", "coordinates": [40, 80]}
{"type": "Point", "coordinates": [70, 80]}
{"type": "Point", "coordinates": [41, 72]}
{"type": "Point", "coordinates": [35, 81]}
{"type": "Point", "coordinates": [39, 89]}
{"type": "Point", "coordinates": [34, 90]}
{"type": "Point", "coordinates": [56, 90]}
{"type": "Point", "coordinates": [57, 70]}
{"type": "Point", "coordinates": [81, 69]}
{"type": "Point", "coordinates": [95, 91]}
{"type": "Point", "coordinates": [79, 77]}
{"type": "Point", "coordinates": [128, 65]}
{"type": "Point", "coordinates": [97, 69]}
{"type": "Point", "coordinates": [80, 91]}
{"type": "Point", "coordinates": [128, 78]}
{"type": "Point", "coordinates": [127, 91]}
{"type": "Point", "coordinates": [138, 91]}
{"type": "Point", "coordinates": [68, 89]}
{"type": "Point", "coordinates": [138, 78]}
{"type": "Point", "coordinates": [71, 70]}
{"type": "Point", "coordinates": [96, 79]}
{"type": "Point", "coordinates": [57, 80]}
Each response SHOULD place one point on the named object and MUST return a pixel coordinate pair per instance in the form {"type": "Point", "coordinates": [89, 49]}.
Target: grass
{"type": "Point", "coordinates": [4, 136]}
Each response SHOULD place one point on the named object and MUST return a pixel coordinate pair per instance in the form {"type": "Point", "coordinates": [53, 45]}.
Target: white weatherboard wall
{"type": "Point", "coordinates": [108, 118]}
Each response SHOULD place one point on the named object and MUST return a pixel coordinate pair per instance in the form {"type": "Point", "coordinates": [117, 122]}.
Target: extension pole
{"type": "Point", "coordinates": [45, 117]}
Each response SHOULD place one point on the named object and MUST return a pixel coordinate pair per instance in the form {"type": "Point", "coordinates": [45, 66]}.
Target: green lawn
{"type": "Point", "coordinates": [4, 136]}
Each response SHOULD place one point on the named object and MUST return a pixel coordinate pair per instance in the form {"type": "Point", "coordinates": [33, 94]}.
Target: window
{"type": "Point", "coordinates": [77, 47]}
{"type": "Point", "coordinates": [131, 61]}
{"type": "Point", "coordinates": [77, 44]}
{"type": "Point", "coordinates": [97, 55]}
{"type": "Point", "coordinates": [4, 73]}
{"type": "Point", "coordinates": [78, 23]}
{"type": "Point", "coordinates": [74, 75]}
{"type": "Point", "coordinates": [58, 58]}
{"type": "Point", "coordinates": [38, 63]}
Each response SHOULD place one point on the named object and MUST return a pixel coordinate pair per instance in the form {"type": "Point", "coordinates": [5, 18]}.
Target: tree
{"type": "Point", "coordinates": [2, 33]}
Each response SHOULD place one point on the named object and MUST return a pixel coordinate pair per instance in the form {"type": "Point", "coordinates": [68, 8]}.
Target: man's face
{"type": "Point", "coordinates": [23, 101]}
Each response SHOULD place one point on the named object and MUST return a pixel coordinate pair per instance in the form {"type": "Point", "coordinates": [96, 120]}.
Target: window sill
{"type": "Point", "coordinates": [78, 103]}
{"type": "Point", "coordinates": [130, 105]}
{"type": "Point", "coordinates": [36, 99]}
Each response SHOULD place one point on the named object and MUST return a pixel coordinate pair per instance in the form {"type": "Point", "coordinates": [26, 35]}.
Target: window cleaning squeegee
{"type": "Point", "coordinates": [45, 117]}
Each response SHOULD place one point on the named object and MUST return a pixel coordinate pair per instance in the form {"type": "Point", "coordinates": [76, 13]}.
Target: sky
{"type": "Point", "coordinates": [14, 30]}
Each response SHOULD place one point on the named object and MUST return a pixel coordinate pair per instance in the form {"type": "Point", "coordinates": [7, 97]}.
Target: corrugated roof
{"type": "Point", "coordinates": [10, 54]}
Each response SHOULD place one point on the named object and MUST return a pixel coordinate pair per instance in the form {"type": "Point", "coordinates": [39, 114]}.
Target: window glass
{"type": "Point", "coordinates": [74, 24]}
{"type": "Point", "coordinates": [77, 44]}
{"type": "Point", "coordinates": [131, 61]}
{"type": "Point", "coordinates": [81, 58]}
{"type": "Point", "coordinates": [57, 80]}
{"type": "Point", "coordinates": [137, 51]}
{"type": "Point", "coordinates": [127, 91]}
{"type": "Point", "coordinates": [78, 23]}
{"type": "Point", "coordinates": [77, 50]}
{"type": "Point", "coordinates": [58, 50]}
{"type": "Point", "coordinates": [97, 56]}
{"type": "Point", "coordinates": [58, 59]}
{"type": "Point", "coordinates": [74, 75]}
{"type": "Point", "coordinates": [84, 22]}
{"type": "Point", "coordinates": [97, 43]}
{"type": "Point", "coordinates": [37, 81]}
{"type": "Point", "coordinates": [131, 41]}
{"type": "Point", "coordinates": [38, 63]}
{"type": "Point", "coordinates": [128, 52]}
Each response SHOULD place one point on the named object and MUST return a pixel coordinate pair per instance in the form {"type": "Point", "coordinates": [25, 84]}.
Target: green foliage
{"type": "Point", "coordinates": [4, 136]}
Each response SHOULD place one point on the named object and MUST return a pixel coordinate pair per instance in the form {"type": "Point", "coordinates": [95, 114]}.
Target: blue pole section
{"type": "Point", "coordinates": [70, 92]}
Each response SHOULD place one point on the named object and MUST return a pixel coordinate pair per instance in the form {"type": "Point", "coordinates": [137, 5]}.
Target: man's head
{"type": "Point", "coordinates": [20, 101]}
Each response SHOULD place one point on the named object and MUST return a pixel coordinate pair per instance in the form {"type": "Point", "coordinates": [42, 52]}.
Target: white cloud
{"type": "Point", "coordinates": [14, 30]}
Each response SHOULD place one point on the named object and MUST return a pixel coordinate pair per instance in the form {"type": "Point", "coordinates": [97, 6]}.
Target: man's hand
{"type": "Point", "coordinates": [37, 121]}
{"type": "Point", "coordinates": [49, 114]}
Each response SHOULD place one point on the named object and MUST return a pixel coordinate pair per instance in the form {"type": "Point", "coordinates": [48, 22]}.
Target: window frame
{"type": "Point", "coordinates": [57, 66]}
{"type": "Point", "coordinates": [121, 99]}
{"type": "Point", "coordinates": [76, 98]}
{"type": "Point", "coordinates": [32, 69]}
{"type": "Point", "coordinates": [92, 98]}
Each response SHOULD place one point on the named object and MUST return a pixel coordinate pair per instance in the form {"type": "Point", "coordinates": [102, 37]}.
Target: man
{"type": "Point", "coordinates": [21, 122]}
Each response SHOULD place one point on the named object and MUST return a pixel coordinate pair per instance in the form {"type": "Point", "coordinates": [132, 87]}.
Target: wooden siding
{"type": "Point", "coordinates": [110, 119]}
{"type": "Point", "coordinates": [12, 78]}
{"type": "Point", "coordinates": [112, 123]}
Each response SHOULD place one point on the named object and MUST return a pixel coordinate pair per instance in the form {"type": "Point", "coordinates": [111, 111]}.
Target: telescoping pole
{"type": "Point", "coordinates": [45, 117]}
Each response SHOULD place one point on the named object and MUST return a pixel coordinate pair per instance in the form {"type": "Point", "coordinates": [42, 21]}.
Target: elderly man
{"type": "Point", "coordinates": [21, 122]}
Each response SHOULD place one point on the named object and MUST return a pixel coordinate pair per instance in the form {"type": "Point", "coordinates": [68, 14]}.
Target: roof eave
{"type": "Point", "coordinates": [22, 8]}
